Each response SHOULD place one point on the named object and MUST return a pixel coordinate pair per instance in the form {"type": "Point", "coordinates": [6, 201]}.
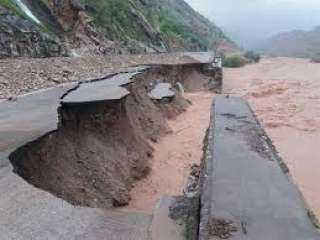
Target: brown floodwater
{"type": "Point", "coordinates": [174, 155]}
{"type": "Point", "coordinates": [285, 95]}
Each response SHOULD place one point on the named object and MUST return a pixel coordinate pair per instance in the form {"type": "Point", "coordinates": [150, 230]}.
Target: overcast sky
{"type": "Point", "coordinates": [250, 21]}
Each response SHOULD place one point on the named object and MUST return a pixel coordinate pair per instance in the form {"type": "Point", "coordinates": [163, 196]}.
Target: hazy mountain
{"type": "Point", "coordinates": [249, 22]}
{"type": "Point", "coordinates": [296, 43]}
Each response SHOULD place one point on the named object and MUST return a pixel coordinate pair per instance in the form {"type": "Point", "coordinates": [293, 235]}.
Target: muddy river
{"type": "Point", "coordinates": [285, 94]}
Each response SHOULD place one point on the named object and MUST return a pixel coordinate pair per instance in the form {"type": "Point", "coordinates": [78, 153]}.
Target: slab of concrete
{"type": "Point", "coordinates": [93, 94]}
{"type": "Point", "coordinates": [161, 91]}
{"type": "Point", "coordinates": [103, 90]}
{"type": "Point", "coordinates": [247, 195]}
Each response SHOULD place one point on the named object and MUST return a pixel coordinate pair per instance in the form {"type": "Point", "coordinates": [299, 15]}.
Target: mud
{"type": "Point", "coordinates": [100, 149]}
{"type": "Point", "coordinates": [89, 162]}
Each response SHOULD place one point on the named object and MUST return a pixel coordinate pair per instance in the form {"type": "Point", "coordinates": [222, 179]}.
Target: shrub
{"type": "Point", "coordinates": [234, 61]}
{"type": "Point", "coordinates": [316, 58]}
{"type": "Point", "coordinates": [252, 56]}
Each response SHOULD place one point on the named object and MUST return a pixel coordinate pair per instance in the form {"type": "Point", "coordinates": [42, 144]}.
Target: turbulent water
{"type": "Point", "coordinates": [27, 11]}
{"type": "Point", "coordinates": [285, 94]}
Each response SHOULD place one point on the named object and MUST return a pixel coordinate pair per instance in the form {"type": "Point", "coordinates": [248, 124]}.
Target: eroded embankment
{"type": "Point", "coordinates": [102, 145]}
{"type": "Point", "coordinates": [175, 155]}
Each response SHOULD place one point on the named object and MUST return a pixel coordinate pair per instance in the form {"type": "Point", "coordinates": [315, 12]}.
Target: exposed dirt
{"type": "Point", "coordinates": [90, 162]}
{"type": "Point", "coordinates": [285, 94]}
{"type": "Point", "coordinates": [101, 148]}
{"type": "Point", "coordinates": [174, 155]}
{"type": "Point", "coordinates": [98, 151]}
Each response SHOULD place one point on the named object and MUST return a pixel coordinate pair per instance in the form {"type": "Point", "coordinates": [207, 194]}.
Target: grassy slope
{"type": "Point", "coordinates": [114, 17]}
{"type": "Point", "coordinates": [177, 22]}
{"type": "Point", "coordinates": [13, 7]}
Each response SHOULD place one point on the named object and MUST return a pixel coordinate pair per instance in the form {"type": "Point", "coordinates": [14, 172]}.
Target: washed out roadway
{"type": "Point", "coordinates": [30, 213]}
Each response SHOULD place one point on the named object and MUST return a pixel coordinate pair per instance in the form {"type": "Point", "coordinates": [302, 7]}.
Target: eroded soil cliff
{"type": "Point", "coordinates": [101, 147]}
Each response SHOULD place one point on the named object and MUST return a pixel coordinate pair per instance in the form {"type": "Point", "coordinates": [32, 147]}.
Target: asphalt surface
{"type": "Point", "coordinates": [29, 116]}
{"type": "Point", "coordinates": [246, 189]}
{"type": "Point", "coordinates": [30, 213]}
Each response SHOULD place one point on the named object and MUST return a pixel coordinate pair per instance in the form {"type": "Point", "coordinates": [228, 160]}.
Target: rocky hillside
{"type": "Point", "coordinates": [21, 37]}
{"type": "Point", "coordinates": [81, 27]}
{"type": "Point", "coordinates": [296, 43]}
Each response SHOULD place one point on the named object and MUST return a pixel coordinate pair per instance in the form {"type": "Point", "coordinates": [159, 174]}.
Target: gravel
{"type": "Point", "coordinates": [24, 75]}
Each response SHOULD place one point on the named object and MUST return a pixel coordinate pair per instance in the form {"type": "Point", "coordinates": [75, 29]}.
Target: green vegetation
{"type": "Point", "coordinates": [173, 23]}
{"type": "Point", "coordinates": [234, 61]}
{"type": "Point", "coordinates": [11, 5]}
{"type": "Point", "coordinates": [252, 56]}
{"type": "Point", "coordinates": [171, 27]}
{"type": "Point", "coordinates": [240, 59]}
{"type": "Point", "coordinates": [16, 10]}
{"type": "Point", "coordinates": [170, 24]}
{"type": "Point", "coordinates": [115, 18]}
{"type": "Point", "coordinates": [316, 58]}
{"type": "Point", "coordinates": [48, 23]}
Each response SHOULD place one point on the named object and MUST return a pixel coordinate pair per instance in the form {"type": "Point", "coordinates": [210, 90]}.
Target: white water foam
{"type": "Point", "coordinates": [27, 11]}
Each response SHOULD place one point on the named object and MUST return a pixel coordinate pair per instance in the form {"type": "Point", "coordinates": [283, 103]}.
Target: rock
{"type": "Point", "coordinates": [66, 12]}
{"type": "Point", "coordinates": [12, 98]}
{"type": "Point", "coordinates": [180, 88]}
{"type": "Point", "coordinates": [162, 91]}
{"type": "Point", "coordinates": [22, 38]}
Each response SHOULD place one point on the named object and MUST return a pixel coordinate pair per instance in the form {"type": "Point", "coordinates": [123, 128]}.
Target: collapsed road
{"type": "Point", "coordinates": [71, 155]}
{"type": "Point", "coordinates": [89, 152]}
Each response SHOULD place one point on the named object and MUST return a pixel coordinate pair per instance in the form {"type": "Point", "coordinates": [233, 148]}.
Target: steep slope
{"type": "Point", "coordinates": [121, 26]}
{"type": "Point", "coordinates": [171, 24]}
{"type": "Point", "coordinates": [21, 37]}
{"type": "Point", "coordinates": [296, 43]}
